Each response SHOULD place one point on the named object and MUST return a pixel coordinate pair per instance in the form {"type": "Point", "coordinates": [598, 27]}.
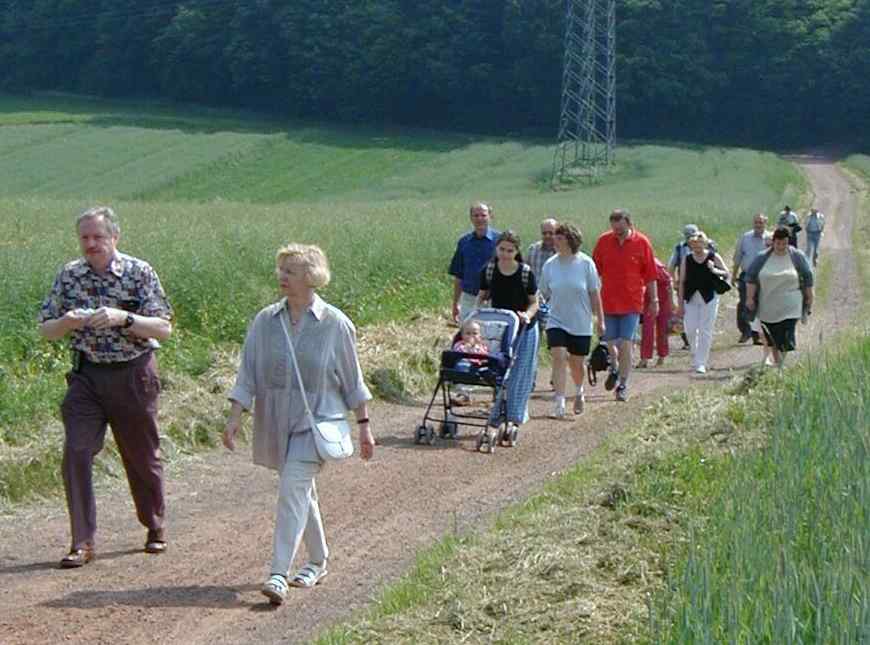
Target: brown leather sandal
{"type": "Point", "coordinates": [78, 558]}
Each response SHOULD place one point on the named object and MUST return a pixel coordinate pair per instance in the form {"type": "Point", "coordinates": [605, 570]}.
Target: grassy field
{"type": "Point", "coordinates": [208, 196]}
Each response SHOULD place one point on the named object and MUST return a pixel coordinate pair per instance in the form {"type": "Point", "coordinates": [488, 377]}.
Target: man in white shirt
{"type": "Point", "coordinates": [815, 228]}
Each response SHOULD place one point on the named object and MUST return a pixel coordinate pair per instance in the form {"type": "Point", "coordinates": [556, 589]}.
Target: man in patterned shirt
{"type": "Point", "coordinates": [113, 309]}
{"type": "Point", "coordinates": [538, 254]}
{"type": "Point", "coordinates": [542, 250]}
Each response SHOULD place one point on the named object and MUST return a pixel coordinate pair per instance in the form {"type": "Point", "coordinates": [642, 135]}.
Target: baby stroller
{"type": "Point", "coordinates": [500, 329]}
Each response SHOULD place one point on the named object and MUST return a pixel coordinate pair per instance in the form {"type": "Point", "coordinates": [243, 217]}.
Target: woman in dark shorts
{"type": "Point", "coordinates": [569, 282]}
{"type": "Point", "coordinates": [779, 290]}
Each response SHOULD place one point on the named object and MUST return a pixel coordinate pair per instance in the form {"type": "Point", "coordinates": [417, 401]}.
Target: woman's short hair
{"type": "Point", "coordinates": [513, 238]}
{"type": "Point", "coordinates": [781, 233]}
{"type": "Point", "coordinates": [572, 235]}
{"type": "Point", "coordinates": [701, 237]}
{"type": "Point", "coordinates": [311, 257]}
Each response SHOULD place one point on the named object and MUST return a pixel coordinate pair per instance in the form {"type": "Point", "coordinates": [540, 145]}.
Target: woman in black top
{"type": "Point", "coordinates": [508, 283]}
{"type": "Point", "coordinates": [699, 302]}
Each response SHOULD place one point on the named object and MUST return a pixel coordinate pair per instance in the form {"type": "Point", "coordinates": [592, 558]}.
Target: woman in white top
{"type": "Point", "coordinates": [324, 340]}
{"type": "Point", "coordinates": [779, 290]}
{"type": "Point", "coordinates": [570, 283]}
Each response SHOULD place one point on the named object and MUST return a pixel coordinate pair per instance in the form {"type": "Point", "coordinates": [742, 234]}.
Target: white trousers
{"type": "Point", "coordinates": [698, 322]}
{"type": "Point", "coordinates": [298, 517]}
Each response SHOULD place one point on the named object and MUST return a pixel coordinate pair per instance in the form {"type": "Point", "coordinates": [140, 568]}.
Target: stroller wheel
{"type": "Point", "coordinates": [487, 440]}
{"type": "Point", "coordinates": [431, 436]}
{"type": "Point", "coordinates": [478, 444]}
{"type": "Point", "coordinates": [419, 434]}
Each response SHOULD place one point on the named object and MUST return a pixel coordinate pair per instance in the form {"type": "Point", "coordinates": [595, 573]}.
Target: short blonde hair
{"type": "Point", "coordinates": [311, 258]}
{"type": "Point", "coordinates": [701, 236]}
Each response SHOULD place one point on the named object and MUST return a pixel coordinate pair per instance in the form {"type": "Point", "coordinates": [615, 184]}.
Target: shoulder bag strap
{"type": "Point", "coordinates": [296, 369]}
{"type": "Point", "coordinates": [490, 272]}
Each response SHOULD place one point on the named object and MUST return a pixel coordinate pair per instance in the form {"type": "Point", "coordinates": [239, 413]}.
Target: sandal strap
{"type": "Point", "coordinates": [307, 572]}
{"type": "Point", "coordinates": [311, 572]}
{"type": "Point", "coordinates": [277, 580]}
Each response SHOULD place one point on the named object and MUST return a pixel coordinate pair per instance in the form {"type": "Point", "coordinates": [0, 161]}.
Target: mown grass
{"type": "Point", "coordinates": [388, 215]}
{"type": "Point", "coordinates": [739, 517]}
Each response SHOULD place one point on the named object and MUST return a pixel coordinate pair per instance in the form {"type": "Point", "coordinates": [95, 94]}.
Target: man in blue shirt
{"type": "Point", "coordinates": [473, 251]}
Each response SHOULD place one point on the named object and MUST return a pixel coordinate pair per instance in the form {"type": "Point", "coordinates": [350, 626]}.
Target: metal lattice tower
{"type": "Point", "coordinates": [587, 125]}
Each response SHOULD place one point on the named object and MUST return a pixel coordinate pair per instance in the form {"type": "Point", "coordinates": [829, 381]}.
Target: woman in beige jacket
{"type": "Point", "coordinates": [324, 340]}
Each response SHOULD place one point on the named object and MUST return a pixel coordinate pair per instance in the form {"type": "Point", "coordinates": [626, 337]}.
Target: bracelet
{"type": "Point", "coordinates": [359, 422]}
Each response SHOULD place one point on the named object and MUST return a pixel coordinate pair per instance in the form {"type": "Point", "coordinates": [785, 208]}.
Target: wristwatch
{"type": "Point", "coordinates": [129, 322]}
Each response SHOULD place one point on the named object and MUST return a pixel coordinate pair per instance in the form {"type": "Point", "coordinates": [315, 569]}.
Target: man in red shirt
{"type": "Point", "coordinates": [626, 266]}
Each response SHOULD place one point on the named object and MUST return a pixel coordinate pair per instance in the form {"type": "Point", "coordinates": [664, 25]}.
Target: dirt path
{"type": "Point", "coordinates": [205, 589]}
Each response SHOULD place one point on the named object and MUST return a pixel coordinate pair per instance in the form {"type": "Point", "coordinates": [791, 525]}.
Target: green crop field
{"type": "Point", "coordinates": [207, 197]}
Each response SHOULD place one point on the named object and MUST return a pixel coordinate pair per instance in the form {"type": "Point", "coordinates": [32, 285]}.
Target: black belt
{"type": "Point", "coordinates": [115, 365]}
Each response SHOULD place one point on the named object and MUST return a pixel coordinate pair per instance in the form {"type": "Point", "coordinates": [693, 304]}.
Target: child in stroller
{"type": "Point", "coordinates": [471, 341]}
{"type": "Point", "coordinates": [481, 354]}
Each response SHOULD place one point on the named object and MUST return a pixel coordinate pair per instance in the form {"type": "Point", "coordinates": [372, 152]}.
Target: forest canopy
{"type": "Point", "coordinates": [779, 72]}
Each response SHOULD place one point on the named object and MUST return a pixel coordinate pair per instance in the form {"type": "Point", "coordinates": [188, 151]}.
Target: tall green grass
{"type": "Point", "coordinates": [784, 555]}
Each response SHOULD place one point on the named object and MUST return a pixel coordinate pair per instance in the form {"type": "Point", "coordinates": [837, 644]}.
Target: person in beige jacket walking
{"type": "Point", "coordinates": [324, 340]}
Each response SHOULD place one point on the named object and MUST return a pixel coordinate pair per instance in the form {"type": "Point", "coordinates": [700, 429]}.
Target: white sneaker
{"type": "Point", "coordinates": [700, 369]}
{"type": "Point", "coordinates": [558, 408]}
{"type": "Point", "coordinates": [580, 403]}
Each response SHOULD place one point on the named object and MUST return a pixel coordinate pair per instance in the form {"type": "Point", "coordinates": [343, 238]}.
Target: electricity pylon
{"type": "Point", "coordinates": [587, 124]}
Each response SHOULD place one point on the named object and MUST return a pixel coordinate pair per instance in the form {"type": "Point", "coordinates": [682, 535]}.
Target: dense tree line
{"type": "Point", "coordinates": [772, 71]}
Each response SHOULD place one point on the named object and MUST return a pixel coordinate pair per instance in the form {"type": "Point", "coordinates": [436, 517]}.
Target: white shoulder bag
{"type": "Point", "coordinates": [331, 437]}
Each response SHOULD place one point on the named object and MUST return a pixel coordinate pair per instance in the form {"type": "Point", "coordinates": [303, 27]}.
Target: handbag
{"type": "Point", "coordinates": [332, 438]}
{"type": "Point", "coordinates": [720, 285]}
